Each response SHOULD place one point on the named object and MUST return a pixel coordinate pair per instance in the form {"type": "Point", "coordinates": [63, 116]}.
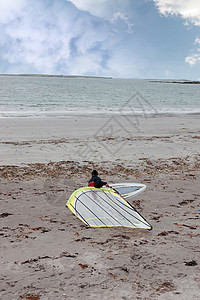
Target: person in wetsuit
{"type": "Point", "coordinates": [96, 181]}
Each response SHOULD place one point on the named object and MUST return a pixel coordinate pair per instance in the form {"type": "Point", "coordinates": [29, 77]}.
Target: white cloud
{"type": "Point", "coordinates": [31, 39]}
{"type": "Point", "coordinates": [96, 8]}
{"type": "Point", "coordinates": [10, 8]}
{"type": "Point", "coordinates": [53, 39]}
{"type": "Point", "coordinates": [197, 40]}
{"type": "Point", "coordinates": [187, 9]}
{"type": "Point", "coordinates": [56, 37]}
{"type": "Point", "coordinates": [193, 59]}
{"type": "Point", "coordinates": [100, 8]}
{"type": "Point", "coordinates": [110, 10]}
{"type": "Point", "coordinates": [120, 17]}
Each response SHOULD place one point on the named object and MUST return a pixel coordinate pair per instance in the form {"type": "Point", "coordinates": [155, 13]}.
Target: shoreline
{"type": "Point", "coordinates": [59, 76]}
{"type": "Point", "coordinates": [180, 81]}
{"type": "Point", "coordinates": [92, 114]}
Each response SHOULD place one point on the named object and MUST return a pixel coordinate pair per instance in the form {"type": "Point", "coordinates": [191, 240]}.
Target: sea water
{"type": "Point", "coordinates": [41, 96]}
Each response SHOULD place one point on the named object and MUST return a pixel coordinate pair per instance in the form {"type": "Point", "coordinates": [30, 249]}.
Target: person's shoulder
{"type": "Point", "coordinates": [97, 178]}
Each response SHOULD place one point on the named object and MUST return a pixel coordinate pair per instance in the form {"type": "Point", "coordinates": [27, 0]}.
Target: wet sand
{"type": "Point", "coordinates": [48, 253]}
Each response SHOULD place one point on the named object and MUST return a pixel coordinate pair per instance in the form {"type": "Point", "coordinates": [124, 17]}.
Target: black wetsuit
{"type": "Point", "coordinates": [98, 183]}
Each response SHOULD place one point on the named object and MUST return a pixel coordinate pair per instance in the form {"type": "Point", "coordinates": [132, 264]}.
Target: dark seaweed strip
{"type": "Point", "coordinates": [102, 208]}
{"type": "Point", "coordinates": [116, 209]}
{"type": "Point", "coordinates": [147, 224]}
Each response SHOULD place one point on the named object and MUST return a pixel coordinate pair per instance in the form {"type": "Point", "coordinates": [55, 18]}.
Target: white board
{"type": "Point", "coordinates": [128, 190]}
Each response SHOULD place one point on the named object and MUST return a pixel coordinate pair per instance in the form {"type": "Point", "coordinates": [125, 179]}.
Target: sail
{"type": "Point", "coordinates": [104, 208]}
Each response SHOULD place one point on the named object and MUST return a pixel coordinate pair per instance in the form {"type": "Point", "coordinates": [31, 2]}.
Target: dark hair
{"type": "Point", "coordinates": [94, 173]}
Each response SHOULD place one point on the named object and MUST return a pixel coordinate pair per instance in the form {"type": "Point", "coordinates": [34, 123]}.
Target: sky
{"type": "Point", "coordinates": [118, 38]}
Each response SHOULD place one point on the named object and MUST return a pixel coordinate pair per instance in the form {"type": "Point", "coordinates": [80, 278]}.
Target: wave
{"type": "Point", "coordinates": [62, 113]}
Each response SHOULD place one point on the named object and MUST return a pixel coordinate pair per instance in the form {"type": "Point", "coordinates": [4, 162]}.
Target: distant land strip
{"type": "Point", "coordinates": [62, 76]}
{"type": "Point", "coordinates": [179, 81]}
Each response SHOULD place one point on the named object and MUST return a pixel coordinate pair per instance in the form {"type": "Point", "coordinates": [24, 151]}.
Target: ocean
{"type": "Point", "coordinates": [54, 96]}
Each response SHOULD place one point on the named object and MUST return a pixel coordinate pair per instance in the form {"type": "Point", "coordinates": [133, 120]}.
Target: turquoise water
{"type": "Point", "coordinates": [26, 96]}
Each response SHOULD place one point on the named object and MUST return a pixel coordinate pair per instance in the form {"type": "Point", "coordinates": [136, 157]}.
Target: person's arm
{"type": "Point", "coordinates": [101, 183]}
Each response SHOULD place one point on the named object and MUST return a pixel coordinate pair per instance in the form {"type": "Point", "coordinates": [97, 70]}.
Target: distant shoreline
{"type": "Point", "coordinates": [60, 76]}
{"type": "Point", "coordinates": [179, 81]}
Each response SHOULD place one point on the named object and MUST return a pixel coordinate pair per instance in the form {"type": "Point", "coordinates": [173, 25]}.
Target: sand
{"type": "Point", "coordinates": [48, 253]}
{"type": "Point", "coordinates": [97, 139]}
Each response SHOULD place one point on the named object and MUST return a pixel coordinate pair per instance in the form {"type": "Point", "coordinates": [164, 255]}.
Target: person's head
{"type": "Point", "coordinates": [94, 173]}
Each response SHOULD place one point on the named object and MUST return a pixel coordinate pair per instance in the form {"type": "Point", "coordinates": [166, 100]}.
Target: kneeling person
{"type": "Point", "coordinates": [96, 181]}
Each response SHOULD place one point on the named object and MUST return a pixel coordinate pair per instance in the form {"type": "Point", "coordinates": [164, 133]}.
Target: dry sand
{"type": "Point", "coordinates": [47, 253]}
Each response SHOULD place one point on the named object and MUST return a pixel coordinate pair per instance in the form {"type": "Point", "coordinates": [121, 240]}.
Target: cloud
{"type": "Point", "coordinates": [33, 38]}
{"type": "Point", "coordinates": [101, 8]}
{"type": "Point", "coordinates": [193, 59]}
{"type": "Point", "coordinates": [110, 10]}
{"type": "Point", "coordinates": [46, 41]}
{"type": "Point", "coordinates": [93, 7]}
{"type": "Point", "coordinates": [187, 9]}
{"type": "Point", "coordinates": [120, 17]}
{"type": "Point", "coordinates": [56, 37]}
{"type": "Point", "coordinates": [9, 9]}
{"type": "Point", "coordinates": [197, 40]}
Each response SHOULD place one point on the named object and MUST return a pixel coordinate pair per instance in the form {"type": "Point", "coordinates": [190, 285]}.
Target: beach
{"type": "Point", "coordinates": [48, 253]}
